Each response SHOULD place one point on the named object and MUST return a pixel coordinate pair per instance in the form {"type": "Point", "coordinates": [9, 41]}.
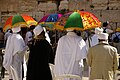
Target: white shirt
{"type": "Point", "coordinates": [92, 41]}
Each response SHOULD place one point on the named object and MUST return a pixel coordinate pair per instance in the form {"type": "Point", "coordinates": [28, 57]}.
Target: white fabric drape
{"type": "Point", "coordinates": [71, 50]}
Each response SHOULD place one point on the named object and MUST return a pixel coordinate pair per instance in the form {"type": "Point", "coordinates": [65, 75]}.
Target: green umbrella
{"type": "Point", "coordinates": [17, 20]}
{"type": "Point", "coordinates": [74, 22]}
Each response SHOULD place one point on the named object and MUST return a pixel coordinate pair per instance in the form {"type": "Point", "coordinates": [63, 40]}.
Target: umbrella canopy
{"type": "Point", "coordinates": [74, 21]}
{"type": "Point", "coordinates": [70, 20]}
{"type": "Point", "coordinates": [49, 20]}
{"type": "Point", "coordinates": [19, 20]}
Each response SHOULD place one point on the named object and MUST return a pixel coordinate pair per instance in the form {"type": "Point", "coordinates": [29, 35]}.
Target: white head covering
{"type": "Point", "coordinates": [16, 29]}
{"type": "Point", "coordinates": [98, 30]}
{"type": "Point", "coordinates": [69, 30]}
{"type": "Point", "coordinates": [103, 36]}
{"type": "Point", "coordinates": [37, 30]}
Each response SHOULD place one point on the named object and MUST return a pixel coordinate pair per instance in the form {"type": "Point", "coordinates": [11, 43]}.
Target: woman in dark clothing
{"type": "Point", "coordinates": [41, 54]}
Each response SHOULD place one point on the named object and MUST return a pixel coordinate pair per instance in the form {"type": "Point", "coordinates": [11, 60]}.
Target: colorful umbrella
{"type": "Point", "coordinates": [71, 21]}
{"type": "Point", "coordinates": [49, 20]}
{"type": "Point", "coordinates": [19, 20]}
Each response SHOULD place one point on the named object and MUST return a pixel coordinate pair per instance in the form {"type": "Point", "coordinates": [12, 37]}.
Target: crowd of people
{"type": "Point", "coordinates": [66, 50]}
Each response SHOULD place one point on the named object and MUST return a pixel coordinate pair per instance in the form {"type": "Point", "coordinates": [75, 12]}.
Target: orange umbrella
{"type": "Point", "coordinates": [18, 20]}
{"type": "Point", "coordinates": [89, 21]}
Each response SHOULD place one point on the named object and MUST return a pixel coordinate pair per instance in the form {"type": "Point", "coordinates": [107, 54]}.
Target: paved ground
{"type": "Point", "coordinates": [85, 77]}
{"type": "Point", "coordinates": [85, 74]}
{"type": "Point", "coordinates": [6, 78]}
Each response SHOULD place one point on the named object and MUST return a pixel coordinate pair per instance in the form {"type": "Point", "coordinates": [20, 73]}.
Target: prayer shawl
{"type": "Point", "coordinates": [92, 41]}
{"type": "Point", "coordinates": [71, 50]}
{"type": "Point", "coordinates": [14, 53]}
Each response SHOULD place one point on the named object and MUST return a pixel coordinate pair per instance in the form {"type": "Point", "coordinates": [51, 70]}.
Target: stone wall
{"type": "Point", "coordinates": [105, 10]}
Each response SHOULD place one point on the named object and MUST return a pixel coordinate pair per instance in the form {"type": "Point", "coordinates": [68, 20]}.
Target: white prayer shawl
{"type": "Point", "coordinates": [71, 50]}
{"type": "Point", "coordinates": [92, 41]}
{"type": "Point", "coordinates": [14, 53]}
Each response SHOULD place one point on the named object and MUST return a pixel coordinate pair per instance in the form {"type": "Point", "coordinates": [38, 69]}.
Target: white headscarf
{"type": "Point", "coordinates": [16, 29]}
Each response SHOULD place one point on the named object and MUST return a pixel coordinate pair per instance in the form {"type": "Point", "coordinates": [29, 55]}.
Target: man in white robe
{"type": "Point", "coordinates": [71, 50]}
{"type": "Point", "coordinates": [14, 53]}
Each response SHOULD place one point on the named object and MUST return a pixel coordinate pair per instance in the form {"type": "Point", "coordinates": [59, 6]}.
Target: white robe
{"type": "Point", "coordinates": [71, 51]}
{"type": "Point", "coordinates": [13, 58]}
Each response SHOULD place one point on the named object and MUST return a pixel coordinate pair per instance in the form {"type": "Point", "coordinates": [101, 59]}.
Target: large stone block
{"type": "Point", "coordinates": [47, 6]}
{"type": "Point", "coordinates": [99, 1]}
{"type": "Point", "coordinates": [27, 13]}
{"type": "Point", "coordinates": [13, 1]}
{"type": "Point", "coordinates": [27, 6]}
{"type": "Point", "coordinates": [3, 7]}
{"type": "Point", "coordinates": [113, 25]}
{"type": "Point", "coordinates": [51, 6]}
{"type": "Point", "coordinates": [111, 15]}
{"type": "Point", "coordinates": [63, 5]}
{"type": "Point", "coordinates": [38, 15]}
{"type": "Point", "coordinates": [42, 7]}
{"type": "Point", "coordinates": [118, 24]}
{"type": "Point", "coordinates": [100, 6]}
{"type": "Point", "coordinates": [13, 7]}
{"type": "Point", "coordinates": [73, 5]}
{"type": "Point", "coordinates": [114, 5]}
{"type": "Point", "coordinates": [114, 1]}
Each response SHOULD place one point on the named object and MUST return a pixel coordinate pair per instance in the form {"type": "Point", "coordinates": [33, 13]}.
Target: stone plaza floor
{"type": "Point", "coordinates": [85, 75]}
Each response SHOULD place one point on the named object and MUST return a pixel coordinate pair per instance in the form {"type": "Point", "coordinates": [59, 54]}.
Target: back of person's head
{"type": "Point", "coordinates": [105, 24]}
{"type": "Point", "coordinates": [9, 30]}
{"type": "Point", "coordinates": [1, 30]}
{"type": "Point", "coordinates": [16, 29]}
{"type": "Point", "coordinates": [77, 32]}
{"type": "Point", "coordinates": [32, 27]}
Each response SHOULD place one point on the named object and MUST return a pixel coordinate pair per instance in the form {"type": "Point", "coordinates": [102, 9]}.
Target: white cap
{"type": "Point", "coordinates": [98, 30]}
{"type": "Point", "coordinates": [103, 36]}
{"type": "Point", "coordinates": [16, 29]}
{"type": "Point", "coordinates": [37, 30]}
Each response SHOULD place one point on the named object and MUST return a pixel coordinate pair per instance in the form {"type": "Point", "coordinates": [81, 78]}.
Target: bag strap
{"type": "Point", "coordinates": [117, 35]}
{"type": "Point", "coordinates": [89, 41]}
